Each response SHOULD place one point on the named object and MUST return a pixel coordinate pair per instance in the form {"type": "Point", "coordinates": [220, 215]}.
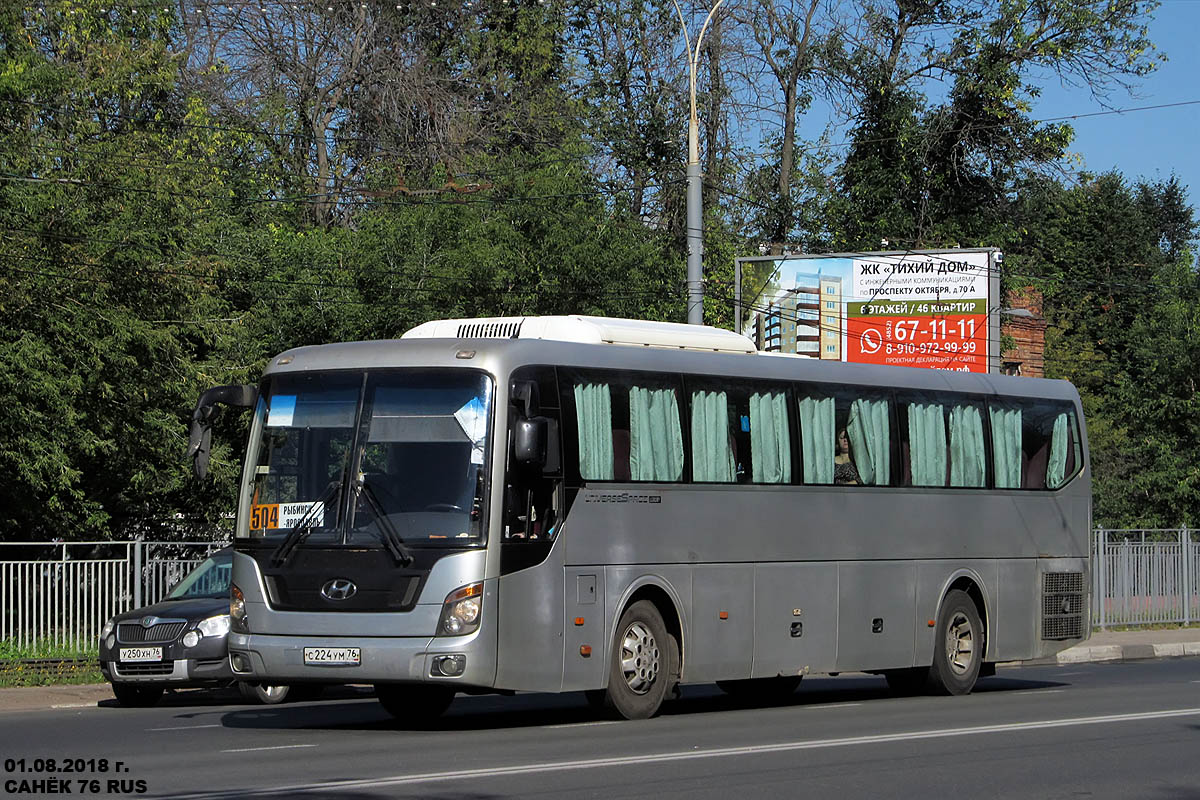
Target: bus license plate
{"type": "Point", "coordinates": [337, 656]}
{"type": "Point", "coordinates": [130, 654]}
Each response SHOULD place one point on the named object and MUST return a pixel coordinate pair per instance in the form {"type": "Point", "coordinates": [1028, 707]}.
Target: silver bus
{"type": "Point", "coordinates": [557, 504]}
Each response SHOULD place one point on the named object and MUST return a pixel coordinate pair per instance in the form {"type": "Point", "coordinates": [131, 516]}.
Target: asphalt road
{"type": "Point", "coordinates": [1127, 730]}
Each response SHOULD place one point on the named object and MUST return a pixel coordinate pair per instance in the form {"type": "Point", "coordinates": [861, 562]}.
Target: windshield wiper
{"type": "Point", "coordinates": [387, 531]}
{"type": "Point", "coordinates": [304, 525]}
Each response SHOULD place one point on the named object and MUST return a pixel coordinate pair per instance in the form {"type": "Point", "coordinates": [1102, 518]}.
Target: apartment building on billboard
{"type": "Point", "coordinates": [807, 318]}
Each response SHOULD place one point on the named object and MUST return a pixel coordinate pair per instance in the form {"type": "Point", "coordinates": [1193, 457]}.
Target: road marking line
{"type": "Point", "coordinates": [686, 755]}
{"type": "Point", "coordinates": [75, 705]}
{"type": "Point", "coordinates": [836, 705]}
{"type": "Point", "coordinates": [184, 728]}
{"type": "Point", "coordinates": [1038, 691]}
{"type": "Point", "coordinates": [584, 724]}
{"type": "Point", "coordinates": [276, 747]}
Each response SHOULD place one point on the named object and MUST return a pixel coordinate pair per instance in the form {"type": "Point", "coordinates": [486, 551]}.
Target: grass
{"type": "Point", "coordinates": [78, 666]}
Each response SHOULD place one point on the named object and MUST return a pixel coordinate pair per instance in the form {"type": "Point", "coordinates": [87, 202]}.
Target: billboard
{"type": "Point", "coordinates": [915, 309]}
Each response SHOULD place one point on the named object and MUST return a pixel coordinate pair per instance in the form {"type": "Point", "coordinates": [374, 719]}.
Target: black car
{"type": "Point", "coordinates": [179, 642]}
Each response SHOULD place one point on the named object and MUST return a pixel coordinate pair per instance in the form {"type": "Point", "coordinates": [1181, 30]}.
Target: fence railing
{"type": "Point", "coordinates": [1145, 577]}
{"type": "Point", "coordinates": [63, 593]}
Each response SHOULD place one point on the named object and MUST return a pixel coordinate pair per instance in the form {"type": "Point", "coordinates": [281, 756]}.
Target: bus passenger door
{"type": "Point", "coordinates": [795, 618]}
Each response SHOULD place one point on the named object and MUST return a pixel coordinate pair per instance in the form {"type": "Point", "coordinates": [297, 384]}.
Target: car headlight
{"type": "Point", "coordinates": [108, 627]}
{"type": "Point", "coordinates": [461, 611]}
{"type": "Point", "coordinates": [214, 626]}
{"type": "Point", "coordinates": [237, 610]}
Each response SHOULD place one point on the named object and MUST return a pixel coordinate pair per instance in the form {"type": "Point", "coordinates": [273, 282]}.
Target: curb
{"type": "Point", "coordinates": [1128, 652]}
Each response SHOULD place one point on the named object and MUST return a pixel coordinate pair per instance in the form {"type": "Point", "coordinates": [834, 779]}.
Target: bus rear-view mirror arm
{"type": "Point", "coordinates": [200, 440]}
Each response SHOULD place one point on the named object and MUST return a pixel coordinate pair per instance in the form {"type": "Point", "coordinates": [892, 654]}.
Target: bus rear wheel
{"type": "Point", "coordinates": [415, 704]}
{"type": "Point", "coordinates": [643, 665]}
{"type": "Point", "coordinates": [958, 646]}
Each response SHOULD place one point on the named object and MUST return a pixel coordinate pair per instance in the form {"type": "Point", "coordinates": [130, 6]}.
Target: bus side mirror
{"type": "Point", "coordinates": [529, 441]}
{"type": "Point", "coordinates": [200, 438]}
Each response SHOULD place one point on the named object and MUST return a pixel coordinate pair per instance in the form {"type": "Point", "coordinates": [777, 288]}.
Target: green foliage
{"type": "Point", "coordinates": [165, 223]}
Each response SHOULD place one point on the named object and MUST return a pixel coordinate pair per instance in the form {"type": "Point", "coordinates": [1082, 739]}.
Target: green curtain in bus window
{"type": "Point", "coordinates": [655, 438]}
{"type": "Point", "coordinates": [967, 465]}
{"type": "Point", "coordinates": [816, 439]}
{"type": "Point", "coordinates": [712, 458]}
{"type": "Point", "coordinates": [770, 445]}
{"type": "Point", "coordinates": [593, 409]}
{"type": "Point", "coordinates": [1006, 447]}
{"type": "Point", "coordinates": [1056, 470]}
{"type": "Point", "coordinates": [927, 444]}
{"type": "Point", "coordinates": [869, 434]}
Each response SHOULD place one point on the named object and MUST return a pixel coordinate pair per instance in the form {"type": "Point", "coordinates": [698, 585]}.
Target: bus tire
{"type": "Point", "coordinates": [411, 703]}
{"type": "Point", "coordinates": [643, 664]}
{"type": "Point", "coordinates": [134, 696]}
{"type": "Point", "coordinates": [958, 646]}
{"type": "Point", "coordinates": [761, 690]}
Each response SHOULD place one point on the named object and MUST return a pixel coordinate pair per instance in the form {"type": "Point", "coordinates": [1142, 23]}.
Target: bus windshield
{"type": "Point", "coordinates": [383, 459]}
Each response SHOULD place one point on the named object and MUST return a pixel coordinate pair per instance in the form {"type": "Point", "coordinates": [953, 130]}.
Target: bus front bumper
{"type": "Point", "coordinates": [282, 659]}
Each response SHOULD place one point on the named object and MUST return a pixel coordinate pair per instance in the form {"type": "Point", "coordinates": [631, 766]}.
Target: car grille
{"type": "Point", "coordinates": [144, 670]}
{"type": "Point", "coordinates": [162, 632]}
{"type": "Point", "coordinates": [1062, 605]}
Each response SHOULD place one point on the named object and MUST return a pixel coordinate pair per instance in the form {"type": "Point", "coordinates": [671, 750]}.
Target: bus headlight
{"type": "Point", "coordinates": [461, 611]}
{"type": "Point", "coordinates": [237, 610]}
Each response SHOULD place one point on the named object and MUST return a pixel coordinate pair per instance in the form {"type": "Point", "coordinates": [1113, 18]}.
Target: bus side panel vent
{"type": "Point", "coordinates": [490, 330]}
{"type": "Point", "coordinates": [1062, 605]}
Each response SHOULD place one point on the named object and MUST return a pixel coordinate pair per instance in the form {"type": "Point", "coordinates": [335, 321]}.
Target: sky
{"type": "Point", "coordinates": [1155, 143]}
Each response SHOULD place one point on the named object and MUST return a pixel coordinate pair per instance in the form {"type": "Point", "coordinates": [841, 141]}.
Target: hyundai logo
{"type": "Point", "coordinates": [339, 589]}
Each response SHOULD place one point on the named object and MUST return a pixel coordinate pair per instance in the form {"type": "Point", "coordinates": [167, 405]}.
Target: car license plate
{"type": "Point", "coordinates": [129, 654]}
{"type": "Point", "coordinates": [336, 656]}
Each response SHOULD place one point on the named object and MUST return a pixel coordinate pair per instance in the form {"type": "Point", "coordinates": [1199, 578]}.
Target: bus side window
{"type": "Point", "coordinates": [942, 440]}
{"type": "Point", "coordinates": [1049, 445]}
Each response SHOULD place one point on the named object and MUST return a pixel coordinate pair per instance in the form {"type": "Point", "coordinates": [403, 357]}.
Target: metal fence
{"type": "Point", "coordinates": [62, 594]}
{"type": "Point", "coordinates": [1145, 577]}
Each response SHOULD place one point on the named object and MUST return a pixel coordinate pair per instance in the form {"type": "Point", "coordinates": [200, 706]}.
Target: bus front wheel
{"type": "Point", "coordinates": [643, 664]}
{"type": "Point", "coordinates": [958, 646]}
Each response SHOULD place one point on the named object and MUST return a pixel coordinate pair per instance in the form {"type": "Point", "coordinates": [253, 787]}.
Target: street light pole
{"type": "Point", "coordinates": [695, 181]}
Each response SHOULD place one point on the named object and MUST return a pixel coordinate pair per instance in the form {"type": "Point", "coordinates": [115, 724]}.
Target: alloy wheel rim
{"type": "Point", "coordinates": [639, 658]}
{"type": "Point", "coordinates": [960, 644]}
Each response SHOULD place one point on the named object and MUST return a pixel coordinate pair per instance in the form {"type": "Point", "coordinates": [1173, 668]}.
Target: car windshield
{"type": "Point", "coordinates": [210, 579]}
{"type": "Point", "coordinates": [357, 459]}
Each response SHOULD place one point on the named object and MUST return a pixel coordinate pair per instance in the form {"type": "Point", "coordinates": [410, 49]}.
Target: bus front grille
{"type": "Point", "coordinates": [1062, 605]}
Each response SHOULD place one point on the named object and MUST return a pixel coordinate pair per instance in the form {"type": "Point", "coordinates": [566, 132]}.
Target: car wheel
{"type": "Point", "coordinates": [267, 694]}
{"type": "Point", "coordinates": [133, 696]}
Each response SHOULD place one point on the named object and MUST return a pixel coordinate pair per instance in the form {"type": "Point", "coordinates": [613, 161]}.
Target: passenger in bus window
{"type": "Point", "coordinates": [844, 471]}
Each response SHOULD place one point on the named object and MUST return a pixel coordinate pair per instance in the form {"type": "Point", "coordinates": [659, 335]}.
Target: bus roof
{"type": "Point", "coordinates": [498, 351]}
